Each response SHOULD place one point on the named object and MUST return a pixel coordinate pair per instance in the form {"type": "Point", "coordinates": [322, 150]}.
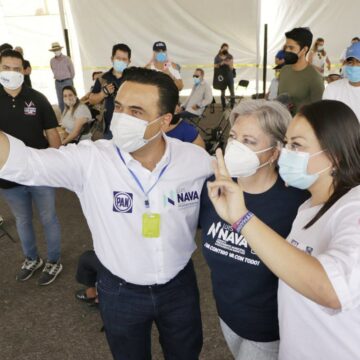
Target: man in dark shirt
{"type": "Point", "coordinates": [106, 86]}
{"type": "Point", "coordinates": [26, 114]}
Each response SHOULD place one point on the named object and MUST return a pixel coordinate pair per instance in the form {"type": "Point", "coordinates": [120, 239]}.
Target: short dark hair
{"type": "Point", "coordinates": [11, 53]}
{"type": "Point", "coordinates": [5, 46]}
{"type": "Point", "coordinates": [168, 92]}
{"type": "Point", "coordinates": [121, 47]}
{"type": "Point", "coordinates": [355, 39]}
{"type": "Point", "coordinates": [326, 117]}
{"type": "Point", "coordinates": [303, 36]}
{"type": "Point", "coordinates": [200, 70]}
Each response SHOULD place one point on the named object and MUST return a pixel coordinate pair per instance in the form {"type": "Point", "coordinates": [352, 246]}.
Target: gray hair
{"type": "Point", "coordinates": [273, 116]}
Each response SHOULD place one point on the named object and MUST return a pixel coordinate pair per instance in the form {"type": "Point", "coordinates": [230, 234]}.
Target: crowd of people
{"type": "Point", "coordinates": [278, 209]}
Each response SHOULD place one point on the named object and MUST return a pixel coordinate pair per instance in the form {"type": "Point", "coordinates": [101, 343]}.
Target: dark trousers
{"type": "Point", "coordinates": [88, 268]}
{"type": "Point", "coordinates": [129, 311]}
{"type": "Point", "coordinates": [232, 94]}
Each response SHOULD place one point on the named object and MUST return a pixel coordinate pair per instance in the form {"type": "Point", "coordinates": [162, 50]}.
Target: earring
{"type": "Point", "coordinates": [333, 172]}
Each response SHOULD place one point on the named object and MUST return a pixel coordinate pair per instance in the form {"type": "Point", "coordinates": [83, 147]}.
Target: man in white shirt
{"type": "Point", "coordinates": [347, 90]}
{"type": "Point", "coordinates": [200, 97]}
{"type": "Point", "coordinates": [140, 196]}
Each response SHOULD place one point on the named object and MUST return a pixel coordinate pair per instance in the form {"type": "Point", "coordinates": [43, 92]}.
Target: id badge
{"type": "Point", "coordinates": [151, 225]}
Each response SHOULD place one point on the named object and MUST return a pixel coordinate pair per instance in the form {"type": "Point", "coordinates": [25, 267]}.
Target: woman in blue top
{"type": "Point", "coordinates": [182, 130]}
{"type": "Point", "coordinates": [245, 290]}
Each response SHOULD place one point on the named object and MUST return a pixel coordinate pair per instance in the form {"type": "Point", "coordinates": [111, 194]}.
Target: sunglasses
{"type": "Point", "coordinates": [196, 76]}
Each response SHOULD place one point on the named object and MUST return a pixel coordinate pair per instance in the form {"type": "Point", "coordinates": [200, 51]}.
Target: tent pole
{"type": "Point", "coordinates": [258, 45]}
{"type": "Point", "coordinates": [265, 57]}
{"type": "Point", "coordinates": [63, 24]}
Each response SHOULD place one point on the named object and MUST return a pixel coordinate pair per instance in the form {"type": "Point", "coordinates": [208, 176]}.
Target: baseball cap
{"type": "Point", "coordinates": [159, 45]}
{"type": "Point", "coordinates": [353, 51]}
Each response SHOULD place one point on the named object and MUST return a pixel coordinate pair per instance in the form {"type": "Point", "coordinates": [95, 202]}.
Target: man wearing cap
{"type": "Point", "coordinates": [161, 62]}
{"type": "Point", "coordinates": [347, 90]}
{"type": "Point", "coordinates": [63, 70]}
{"type": "Point", "coordinates": [298, 79]}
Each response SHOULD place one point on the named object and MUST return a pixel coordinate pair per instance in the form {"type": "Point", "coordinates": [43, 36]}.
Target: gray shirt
{"type": "Point", "coordinates": [200, 95]}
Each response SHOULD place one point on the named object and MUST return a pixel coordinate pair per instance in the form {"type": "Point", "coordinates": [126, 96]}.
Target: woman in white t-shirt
{"type": "Point", "coordinates": [318, 57]}
{"type": "Point", "coordinates": [74, 117]}
{"type": "Point", "coordinates": [319, 264]}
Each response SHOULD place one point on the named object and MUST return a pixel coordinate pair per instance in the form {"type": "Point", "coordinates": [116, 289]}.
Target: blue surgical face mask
{"type": "Point", "coordinates": [161, 57]}
{"type": "Point", "coordinates": [293, 168]}
{"type": "Point", "coordinates": [197, 81]}
{"type": "Point", "coordinates": [352, 73]}
{"type": "Point", "coordinates": [120, 65]}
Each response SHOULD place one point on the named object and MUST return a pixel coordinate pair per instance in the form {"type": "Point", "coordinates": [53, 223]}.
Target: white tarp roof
{"type": "Point", "coordinates": [193, 31]}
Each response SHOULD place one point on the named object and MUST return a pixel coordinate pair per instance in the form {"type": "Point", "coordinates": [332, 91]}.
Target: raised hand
{"type": "Point", "coordinates": [225, 194]}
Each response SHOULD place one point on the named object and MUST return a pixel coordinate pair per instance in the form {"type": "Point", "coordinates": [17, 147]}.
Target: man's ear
{"type": "Point", "coordinates": [166, 120]}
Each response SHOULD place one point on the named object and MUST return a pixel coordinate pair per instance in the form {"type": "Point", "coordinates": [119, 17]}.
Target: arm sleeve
{"type": "Point", "coordinates": [341, 261]}
{"type": "Point", "coordinates": [83, 112]}
{"type": "Point", "coordinates": [207, 96]}
{"type": "Point", "coordinates": [64, 167]}
{"type": "Point", "coordinates": [71, 68]}
{"type": "Point", "coordinates": [191, 133]}
{"type": "Point", "coordinates": [317, 89]}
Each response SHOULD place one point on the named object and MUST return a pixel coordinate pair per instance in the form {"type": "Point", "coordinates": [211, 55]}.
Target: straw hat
{"type": "Point", "coordinates": [55, 46]}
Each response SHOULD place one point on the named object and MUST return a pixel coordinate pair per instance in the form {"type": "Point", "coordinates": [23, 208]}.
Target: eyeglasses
{"type": "Point", "coordinates": [196, 76]}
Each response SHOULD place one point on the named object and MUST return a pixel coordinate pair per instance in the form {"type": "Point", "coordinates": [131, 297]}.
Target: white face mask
{"type": "Point", "coordinates": [57, 53]}
{"type": "Point", "coordinates": [11, 80]}
{"type": "Point", "coordinates": [240, 160]}
{"type": "Point", "coordinates": [320, 47]}
{"type": "Point", "coordinates": [70, 102]}
{"type": "Point", "coordinates": [128, 132]}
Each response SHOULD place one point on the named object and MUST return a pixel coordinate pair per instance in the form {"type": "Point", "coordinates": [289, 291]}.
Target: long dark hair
{"type": "Point", "coordinates": [338, 132]}
{"type": "Point", "coordinates": [77, 103]}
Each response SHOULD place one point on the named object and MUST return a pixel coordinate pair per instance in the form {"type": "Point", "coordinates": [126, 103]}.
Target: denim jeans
{"type": "Point", "coordinates": [129, 311]}
{"type": "Point", "coordinates": [20, 199]}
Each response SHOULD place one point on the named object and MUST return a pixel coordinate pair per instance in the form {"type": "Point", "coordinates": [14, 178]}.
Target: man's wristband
{"type": "Point", "coordinates": [239, 225]}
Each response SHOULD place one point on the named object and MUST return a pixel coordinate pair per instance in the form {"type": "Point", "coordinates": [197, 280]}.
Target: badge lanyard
{"type": "Point", "coordinates": [146, 193]}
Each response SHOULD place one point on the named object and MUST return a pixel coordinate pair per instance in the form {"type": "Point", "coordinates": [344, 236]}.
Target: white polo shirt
{"type": "Point", "coordinates": [114, 204]}
{"type": "Point", "coordinates": [309, 330]}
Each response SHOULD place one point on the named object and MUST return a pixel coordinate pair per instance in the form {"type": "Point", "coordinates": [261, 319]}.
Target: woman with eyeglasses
{"type": "Point", "coordinates": [318, 56]}
{"type": "Point", "coordinates": [245, 290]}
{"type": "Point", "coordinates": [319, 263]}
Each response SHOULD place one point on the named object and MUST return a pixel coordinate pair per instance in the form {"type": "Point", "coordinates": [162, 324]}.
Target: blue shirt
{"type": "Point", "coordinates": [245, 290]}
{"type": "Point", "coordinates": [109, 77]}
{"type": "Point", "coordinates": [184, 132]}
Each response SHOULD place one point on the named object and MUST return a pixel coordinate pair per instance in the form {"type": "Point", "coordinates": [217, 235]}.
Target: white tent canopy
{"type": "Point", "coordinates": [193, 31]}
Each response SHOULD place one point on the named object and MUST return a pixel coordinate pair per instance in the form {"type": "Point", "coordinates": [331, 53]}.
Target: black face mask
{"type": "Point", "coordinates": [290, 58]}
{"type": "Point", "coordinates": [224, 52]}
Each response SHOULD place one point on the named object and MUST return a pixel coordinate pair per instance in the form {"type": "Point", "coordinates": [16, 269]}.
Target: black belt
{"type": "Point", "coordinates": [63, 80]}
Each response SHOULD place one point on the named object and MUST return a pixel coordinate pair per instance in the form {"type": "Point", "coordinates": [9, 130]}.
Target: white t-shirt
{"type": "Point", "coordinates": [309, 330]}
{"type": "Point", "coordinates": [68, 120]}
{"type": "Point", "coordinates": [343, 91]}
